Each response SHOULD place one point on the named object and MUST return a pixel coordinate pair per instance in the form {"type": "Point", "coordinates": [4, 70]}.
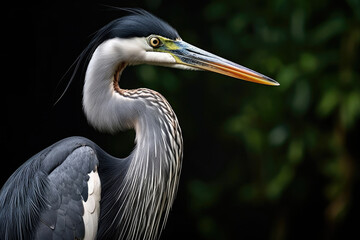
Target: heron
{"type": "Point", "coordinates": [75, 190]}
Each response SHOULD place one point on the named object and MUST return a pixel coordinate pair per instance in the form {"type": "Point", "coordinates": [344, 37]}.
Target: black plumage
{"type": "Point", "coordinates": [43, 197]}
{"type": "Point", "coordinates": [139, 24]}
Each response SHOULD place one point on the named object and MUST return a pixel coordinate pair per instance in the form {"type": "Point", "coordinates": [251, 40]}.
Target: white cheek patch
{"type": "Point", "coordinates": [92, 206]}
{"type": "Point", "coordinates": [158, 58]}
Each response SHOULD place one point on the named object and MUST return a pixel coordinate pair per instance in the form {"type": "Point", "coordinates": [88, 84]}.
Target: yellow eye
{"type": "Point", "coordinates": [155, 42]}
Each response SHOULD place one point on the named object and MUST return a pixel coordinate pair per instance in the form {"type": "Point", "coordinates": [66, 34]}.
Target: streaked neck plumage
{"type": "Point", "coordinates": [150, 180]}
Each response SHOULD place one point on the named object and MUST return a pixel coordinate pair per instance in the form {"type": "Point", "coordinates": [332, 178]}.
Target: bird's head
{"type": "Point", "coordinates": [142, 38]}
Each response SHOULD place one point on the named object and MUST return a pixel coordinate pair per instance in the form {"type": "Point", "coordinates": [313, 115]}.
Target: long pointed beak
{"type": "Point", "coordinates": [197, 58]}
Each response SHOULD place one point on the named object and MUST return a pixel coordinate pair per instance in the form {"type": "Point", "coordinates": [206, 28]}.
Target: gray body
{"type": "Point", "coordinates": [46, 197]}
{"type": "Point", "coordinates": [43, 198]}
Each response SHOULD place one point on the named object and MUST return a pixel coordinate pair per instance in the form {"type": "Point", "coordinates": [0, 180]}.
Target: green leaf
{"type": "Point", "coordinates": [329, 29]}
{"type": "Point", "coordinates": [301, 97]}
{"type": "Point", "coordinates": [328, 102]}
{"type": "Point", "coordinates": [278, 135]}
{"type": "Point", "coordinates": [350, 109]}
{"type": "Point", "coordinates": [296, 151]}
{"type": "Point", "coordinates": [278, 184]}
{"type": "Point", "coordinates": [308, 62]}
{"type": "Point", "coordinates": [287, 76]}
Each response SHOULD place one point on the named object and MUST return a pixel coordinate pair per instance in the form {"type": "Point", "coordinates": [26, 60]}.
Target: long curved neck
{"type": "Point", "coordinates": [105, 108]}
{"type": "Point", "coordinates": [149, 184]}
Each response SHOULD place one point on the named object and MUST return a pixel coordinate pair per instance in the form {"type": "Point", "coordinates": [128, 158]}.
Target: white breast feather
{"type": "Point", "coordinates": [92, 206]}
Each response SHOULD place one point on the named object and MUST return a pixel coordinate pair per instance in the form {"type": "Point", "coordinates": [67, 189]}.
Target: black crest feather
{"type": "Point", "coordinates": [139, 24]}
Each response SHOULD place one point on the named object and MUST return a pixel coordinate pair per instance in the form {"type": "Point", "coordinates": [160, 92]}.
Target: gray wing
{"type": "Point", "coordinates": [54, 194]}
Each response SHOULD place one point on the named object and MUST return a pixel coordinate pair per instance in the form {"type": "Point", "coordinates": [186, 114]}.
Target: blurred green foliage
{"type": "Point", "coordinates": [260, 162]}
{"type": "Point", "coordinates": [290, 148]}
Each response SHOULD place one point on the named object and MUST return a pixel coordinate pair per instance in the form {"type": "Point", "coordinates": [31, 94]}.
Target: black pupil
{"type": "Point", "coordinates": [155, 41]}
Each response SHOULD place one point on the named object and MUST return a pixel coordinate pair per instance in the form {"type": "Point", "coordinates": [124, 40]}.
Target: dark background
{"type": "Point", "coordinates": [260, 162]}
